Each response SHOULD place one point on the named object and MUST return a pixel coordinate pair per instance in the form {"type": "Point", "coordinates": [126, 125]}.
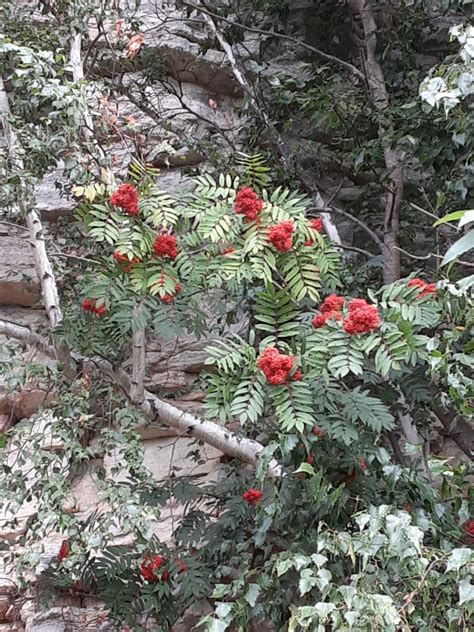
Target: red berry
{"type": "Point", "coordinates": [252, 496]}
{"type": "Point", "coordinates": [125, 198]}
{"type": "Point", "coordinates": [248, 204]}
{"type": "Point", "coordinates": [165, 246]}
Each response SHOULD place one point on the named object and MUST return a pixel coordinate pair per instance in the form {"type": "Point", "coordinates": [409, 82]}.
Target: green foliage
{"type": "Point", "coordinates": [255, 172]}
{"type": "Point", "coordinates": [276, 315]}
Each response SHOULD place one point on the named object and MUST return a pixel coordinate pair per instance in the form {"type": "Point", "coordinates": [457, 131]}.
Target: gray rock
{"type": "Point", "coordinates": [169, 381]}
{"type": "Point", "coordinates": [63, 620]}
{"type": "Point", "coordinates": [50, 203]}
{"type": "Point", "coordinates": [19, 284]}
{"type": "Point", "coordinates": [186, 360]}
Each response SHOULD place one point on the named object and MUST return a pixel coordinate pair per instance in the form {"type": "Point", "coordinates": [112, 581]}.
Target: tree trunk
{"type": "Point", "coordinates": [394, 159]}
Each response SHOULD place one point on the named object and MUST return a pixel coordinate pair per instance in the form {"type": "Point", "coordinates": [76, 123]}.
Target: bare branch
{"type": "Point", "coordinates": [431, 255]}
{"type": "Point", "coordinates": [361, 251]}
{"type": "Point", "coordinates": [252, 29]}
{"type": "Point", "coordinates": [137, 385]}
{"type": "Point", "coordinates": [359, 223]}
{"type": "Point", "coordinates": [43, 266]}
{"type": "Point", "coordinates": [23, 334]}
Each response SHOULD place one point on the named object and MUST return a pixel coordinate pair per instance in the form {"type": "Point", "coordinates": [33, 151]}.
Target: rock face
{"type": "Point", "coordinates": [19, 284]}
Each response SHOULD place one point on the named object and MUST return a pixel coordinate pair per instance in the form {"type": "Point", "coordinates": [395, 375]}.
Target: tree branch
{"type": "Point", "coordinates": [359, 223]}
{"type": "Point", "coordinates": [137, 385]}
{"type": "Point", "coordinates": [209, 432]}
{"type": "Point", "coordinates": [43, 266]}
{"type": "Point", "coordinates": [23, 334]}
{"type": "Point", "coordinates": [448, 419]}
{"type": "Point", "coordinates": [279, 145]}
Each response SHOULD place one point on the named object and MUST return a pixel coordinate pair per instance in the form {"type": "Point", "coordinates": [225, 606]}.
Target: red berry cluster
{"type": "Point", "coordinates": [124, 262]}
{"type": "Point", "coordinates": [227, 251]}
{"type": "Point", "coordinates": [125, 198]}
{"type": "Point", "coordinates": [318, 432]}
{"type": "Point", "coordinates": [248, 204]}
{"type": "Point", "coordinates": [316, 224]}
{"type": "Point", "coordinates": [280, 235]}
{"type": "Point", "coordinates": [329, 310]}
{"type": "Point", "coordinates": [469, 529]}
{"type": "Point", "coordinates": [63, 551]}
{"type": "Point", "coordinates": [252, 496]}
{"type": "Point", "coordinates": [91, 306]}
{"type": "Point", "coordinates": [353, 473]}
{"type": "Point", "coordinates": [150, 567]}
{"type": "Point", "coordinates": [425, 288]}
{"type": "Point", "coordinates": [165, 246]}
{"type": "Point", "coordinates": [275, 366]}
{"type": "Point", "coordinates": [361, 318]}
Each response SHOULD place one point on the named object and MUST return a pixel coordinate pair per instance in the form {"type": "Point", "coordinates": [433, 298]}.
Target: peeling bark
{"type": "Point", "coordinates": [44, 270]}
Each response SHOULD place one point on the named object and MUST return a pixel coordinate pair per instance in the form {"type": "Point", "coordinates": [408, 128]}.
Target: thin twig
{"type": "Point", "coordinates": [359, 223]}
{"type": "Point", "coordinates": [468, 264]}
{"type": "Point", "coordinates": [14, 225]}
{"type": "Point", "coordinates": [252, 29]}
{"type": "Point", "coordinates": [371, 255]}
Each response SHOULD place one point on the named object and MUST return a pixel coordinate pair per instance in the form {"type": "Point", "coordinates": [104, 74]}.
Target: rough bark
{"type": "Point", "coordinates": [394, 159]}
{"type": "Point", "coordinates": [394, 164]}
{"type": "Point", "coordinates": [153, 407]}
